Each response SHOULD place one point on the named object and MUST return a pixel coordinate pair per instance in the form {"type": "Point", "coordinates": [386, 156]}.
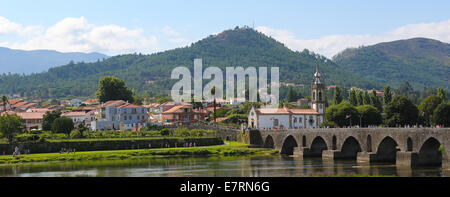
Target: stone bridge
{"type": "Point", "coordinates": [405, 146]}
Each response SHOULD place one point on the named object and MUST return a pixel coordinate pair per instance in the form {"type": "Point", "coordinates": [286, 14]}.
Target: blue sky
{"type": "Point", "coordinates": [115, 27]}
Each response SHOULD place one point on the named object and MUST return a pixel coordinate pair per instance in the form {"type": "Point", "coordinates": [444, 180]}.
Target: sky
{"type": "Point", "coordinates": [117, 27]}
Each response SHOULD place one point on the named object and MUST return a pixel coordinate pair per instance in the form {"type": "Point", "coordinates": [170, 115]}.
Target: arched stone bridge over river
{"type": "Point", "coordinates": [405, 146]}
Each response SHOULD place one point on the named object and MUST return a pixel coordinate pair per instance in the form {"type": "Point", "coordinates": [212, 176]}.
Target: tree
{"type": "Point", "coordinates": [387, 95]}
{"type": "Point", "coordinates": [401, 111]}
{"type": "Point", "coordinates": [4, 101]}
{"type": "Point", "coordinates": [427, 107]}
{"type": "Point", "coordinates": [62, 125]}
{"type": "Point", "coordinates": [48, 119]}
{"type": "Point", "coordinates": [343, 114]}
{"type": "Point", "coordinates": [113, 88]}
{"type": "Point", "coordinates": [442, 94]}
{"type": "Point", "coordinates": [292, 95]}
{"type": "Point", "coordinates": [366, 98]}
{"type": "Point", "coordinates": [10, 125]}
{"type": "Point", "coordinates": [337, 95]}
{"type": "Point", "coordinates": [352, 97]}
{"type": "Point", "coordinates": [375, 101]}
{"type": "Point", "coordinates": [369, 115]}
{"type": "Point", "coordinates": [359, 97]}
{"type": "Point", "coordinates": [441, 115]}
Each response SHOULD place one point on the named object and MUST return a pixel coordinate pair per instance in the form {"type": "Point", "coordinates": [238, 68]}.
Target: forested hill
{"type": "Point", "coordinates": [151, 73]}
{"type": "Point", "coordinates": [421, 61]}
{"type": "Point", "coordinates": [20, 61]}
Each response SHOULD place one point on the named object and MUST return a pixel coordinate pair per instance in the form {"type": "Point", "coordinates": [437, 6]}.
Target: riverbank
{"type": "Point", "coordinates": [231, 148]}
{"type": "Point", "coordinates": [103, 144]}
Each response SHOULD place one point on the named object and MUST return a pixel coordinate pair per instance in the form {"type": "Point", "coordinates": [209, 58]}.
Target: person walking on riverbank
{"type": "Point", "coordinates": [16, 151]}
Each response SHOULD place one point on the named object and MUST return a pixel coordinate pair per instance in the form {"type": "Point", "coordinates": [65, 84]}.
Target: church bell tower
{"type": "Point", "coordinates": [318, 95]}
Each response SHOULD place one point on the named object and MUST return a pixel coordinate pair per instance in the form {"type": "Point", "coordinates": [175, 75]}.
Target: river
{"type": "Point", "coordinates": [224, 166]}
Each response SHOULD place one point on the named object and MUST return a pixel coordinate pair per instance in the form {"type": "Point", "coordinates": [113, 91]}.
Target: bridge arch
{"type": "Point", "coordinates": [304, 141]}
{"type": "Point", "coordinates": [430, 153]}
{"type": "Point", "coordinates": [350, 148]}
{"type": "Point", "coordinates": [289, 143]}
{"type": "Point", "coordinates": [387, 150]}
{"type": "Point", "coordinates": [255, 137]}
{"type": "Point", "coordinates": [269, 143]}
{"type": "Point", "coordinates": [317, 146]}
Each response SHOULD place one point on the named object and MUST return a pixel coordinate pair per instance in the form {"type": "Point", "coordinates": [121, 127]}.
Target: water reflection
{"type": "Point", "coordinates": [227, 166]}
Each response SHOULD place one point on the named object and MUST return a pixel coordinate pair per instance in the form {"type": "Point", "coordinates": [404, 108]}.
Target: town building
{"type": "Point", "coordinates": [31, 120]}
{"type": "Point", "coordinates": [183, 115]}
{"type": "Point", "coordinates": [90, 102]}
{"type": "Point", "coordinates": [119, 115]}
{"type": "Point", "coordinates": [80, 117]}
{"type": "Point", "coordinates": [285, 118]}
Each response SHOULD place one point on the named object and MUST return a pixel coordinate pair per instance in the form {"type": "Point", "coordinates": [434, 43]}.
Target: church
{"type": "Point", "coordinates": [285, 118]}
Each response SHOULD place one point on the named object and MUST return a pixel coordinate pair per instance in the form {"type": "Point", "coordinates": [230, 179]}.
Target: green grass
{"type": "Point", "coordinates": [232, 148]}
{"type": "Point", "coordinates": [128, 138]}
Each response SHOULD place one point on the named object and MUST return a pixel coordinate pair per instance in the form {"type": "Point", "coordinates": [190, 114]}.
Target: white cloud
{"type": "Point", "coordinates": [8, 27]}
{"type": "Point", "coordinates": [77, 35]}
{"type": "Point", "coordinates": [169, 31]}
{"type": "Point", "coordinates": [330, 45]}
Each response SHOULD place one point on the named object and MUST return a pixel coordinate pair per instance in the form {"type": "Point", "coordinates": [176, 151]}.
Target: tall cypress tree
{"type": "Point", "coordinates": [359, 97]}
{"type": "Point", "coordinates": [337, 95]}
{"type": "Point", "coordinates": [366, 98]}
{"type": "Point", "coordinates": [387, 95]}
{"type": "Point", "coordinates": [352, 98]}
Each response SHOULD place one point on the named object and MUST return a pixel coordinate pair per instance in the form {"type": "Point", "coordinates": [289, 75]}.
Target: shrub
{"type": "Point", "coordinates": [62, 125]}
{"type": "Point", "coordinates": [164, 132]}
{"type": "Point", "coordinates": [75, 134]}
{"type": "Point", "coordinates": [27, 137]}
{"type": "Point", "coordinates": [182, 132]}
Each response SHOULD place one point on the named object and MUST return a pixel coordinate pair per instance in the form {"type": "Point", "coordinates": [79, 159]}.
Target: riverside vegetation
{"type": "Point", "coordinates": [228, 149]}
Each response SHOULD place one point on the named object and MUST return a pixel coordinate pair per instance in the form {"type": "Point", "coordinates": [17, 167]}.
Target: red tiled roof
{"type": "Point", "coordinates": [41, 109]}
{"type": "Point", "coordinates": [90, 101]}
{"type": "Point", "coordinates": [175, 109]}
{"type": "Point", "coordinates": [31, 115]}
{"type": "Point", "coordinates": [129, 105]}
{"type": "Point", "coordinates": [14, 101]}
{"type": "Point", "coordinates": [20, 103]}
{"type": "Point", "coordinates": [28, 105]}
{"type": "Point", "coordinates": [285, 111]}
{"type": "Point", "coordinates": [303, 111]}
{"type": "Point", "coordinates": [74, 113]}
{"type": "Point", "coordinates": [272, 111]}
{"type": "Point", "coordinates": [110, 103]}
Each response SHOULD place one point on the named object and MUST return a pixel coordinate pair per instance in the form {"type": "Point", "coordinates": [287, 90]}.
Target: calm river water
{"type": "Point", "coordinates": [225, 166]}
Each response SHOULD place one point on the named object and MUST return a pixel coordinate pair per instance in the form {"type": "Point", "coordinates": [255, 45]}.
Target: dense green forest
{"type": "Point", "coordinates": [423, 62]}
{"type": "Point", "coordinates": [150, 74]}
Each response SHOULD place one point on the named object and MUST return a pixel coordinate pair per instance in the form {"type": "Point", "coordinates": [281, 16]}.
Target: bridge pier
{"type": "Point", "coordinates": [329, 155]}
{"type": "Point", "coordinates": [302, 152]}
{"type": "Point", "coordinates": [406, 158]}
{"type": "Point", "coordinates": [364, 157]}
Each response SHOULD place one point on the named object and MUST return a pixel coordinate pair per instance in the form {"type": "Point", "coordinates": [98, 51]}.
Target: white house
{"type": "Point", "coordinates": [115, 115]}
{"type": "Point", "coordinates": [284, 118]}
{"type": "Point", "coordinates": [75, 102]}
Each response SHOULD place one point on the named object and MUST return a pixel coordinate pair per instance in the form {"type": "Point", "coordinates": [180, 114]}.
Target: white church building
{"type": "Point", "coordinates": [285, 118]}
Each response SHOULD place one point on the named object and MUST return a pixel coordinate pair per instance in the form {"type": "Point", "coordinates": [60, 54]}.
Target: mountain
{"type": "Point", "coordinates": [20, 61]}
{"type": "Point", "coordinates": [151, 73]}
{"type": "Point", "coordinates": [420, 61]}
